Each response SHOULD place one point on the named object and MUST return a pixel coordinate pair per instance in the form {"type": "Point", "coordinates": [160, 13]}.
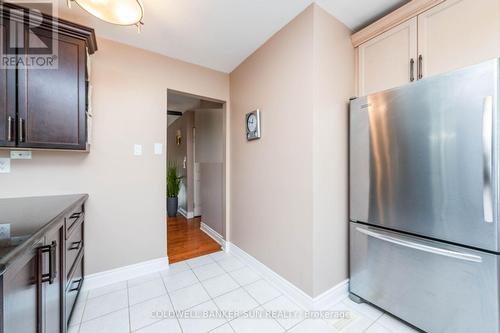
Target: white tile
{"type": "Point", "coordinates": [105, 304]}
{"type": "Point", "coordinates": [312, 325]}
{"type": "Point", "coordinates": [223, 329]}
{"type": "Point", "coordinates": [146, 291]}
{"type": "Point", "coordinates": [377, 328]}
{"type": "Point", "coordinates": [364, 308]}
{"type": "Point", "coordinates": [290, 314]}
{"type": "Point", "coordinates": [349, 320]}
{"type": "Point", "coordinates": [251, 322]}
{"type": "Point", "coordinates": [180, 280]}
{"type": "Point", "coordinates": [394, 325]}
{"type": "Point", "coordinates": [235, 303]}
{"type": "Point", "coordinates": [201, 323]}
{"type": "Point", "coordinates": [220, 285]}
{"type": "Point", "coordinates": [245, 276]}
{"type": "Point", "coordinates": [74, 329]}
{"type": "Point", "coordinates": [116, 322]}
{"type": "Point", "coordinates": [219, 255]}
{"type": "Point", "coordinates": [164, 326]}
{"type": "Point", "coordinates": [200, 261]}
{"type": "Point", "coordinates": [76, 316]}
{"type": "Point", "coordinates": [107, 289]}
{"type": "Point", "coordinates": [149, 312]}
{"type": "Point", "coordinates": [230, 263]}
{"type": "Point", "coordinates": [208, 271]}
{"type": "Point", "coordinates": [143, 279]}
{"type": "Point", "coordinates": [262, 291]}
{"type": "Point", "coordinates": [188, 297]}
{"type": "Point", "coordinates": [178, 267]}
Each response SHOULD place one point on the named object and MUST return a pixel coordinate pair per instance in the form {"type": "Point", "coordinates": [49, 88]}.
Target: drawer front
{"type": "Point", "coordinates": [74, 244]}
{"type": "Point", "coordinates": [73, 219]}
{"type": "Point", "coordinates": [73, 288]}
{"type": "Point", "coordinates": [434, 286]}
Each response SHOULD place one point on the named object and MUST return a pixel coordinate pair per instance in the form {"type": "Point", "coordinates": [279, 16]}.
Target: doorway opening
{"type": "Point", "coordinates": [196, 136]}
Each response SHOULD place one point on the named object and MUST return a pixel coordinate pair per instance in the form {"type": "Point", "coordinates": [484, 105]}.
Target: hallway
{"type": "Point", "coordinates": [186, 240]}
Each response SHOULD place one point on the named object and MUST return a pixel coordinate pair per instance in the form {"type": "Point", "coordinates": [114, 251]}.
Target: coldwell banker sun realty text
{"type": "Point", "coordinates": [28, 39]}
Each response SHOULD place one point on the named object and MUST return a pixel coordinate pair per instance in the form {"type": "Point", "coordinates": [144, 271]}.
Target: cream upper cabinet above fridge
{"type": "Point", "coordinates": [435, 36]}
{"type": "Point", "coordinates": [388, 60]}
{"type": "Point", "coordinates": [458, 33]}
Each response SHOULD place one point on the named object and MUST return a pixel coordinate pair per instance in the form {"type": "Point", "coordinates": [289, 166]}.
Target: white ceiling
{"type": "Point", "coordinates": [220, 34]}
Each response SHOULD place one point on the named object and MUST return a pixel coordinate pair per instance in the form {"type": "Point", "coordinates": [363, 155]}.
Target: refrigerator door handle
{"type": "Point", "coordinates": [487, 159]}
{"type": "Point", "coordinates": [420, 247]}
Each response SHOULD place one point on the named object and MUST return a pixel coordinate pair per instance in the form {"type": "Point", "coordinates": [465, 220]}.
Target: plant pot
{"type": "Point", "coordinates": [172, 205]}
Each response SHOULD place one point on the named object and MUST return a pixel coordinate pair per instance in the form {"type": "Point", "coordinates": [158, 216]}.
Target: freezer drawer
{"type": "Point", "coordinates": [432, 285]}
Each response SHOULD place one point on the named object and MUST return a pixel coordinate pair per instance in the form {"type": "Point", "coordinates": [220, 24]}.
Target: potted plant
{"type": "Point", "coordinates": [173, 188]}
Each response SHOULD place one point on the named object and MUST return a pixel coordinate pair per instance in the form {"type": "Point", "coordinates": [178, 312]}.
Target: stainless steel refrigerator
{"type": "Point", "coordinates": [424, 174]}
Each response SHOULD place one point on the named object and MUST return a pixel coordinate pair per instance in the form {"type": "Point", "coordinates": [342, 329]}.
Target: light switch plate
{"type": "Point", "coordinates": [137, 150]}
{"type": "Point", "coordinates": [158, 148]}
{"type": "Point", "coordinates": [4, 165]}
{"type": "Point", "coordinates": [20, 154]}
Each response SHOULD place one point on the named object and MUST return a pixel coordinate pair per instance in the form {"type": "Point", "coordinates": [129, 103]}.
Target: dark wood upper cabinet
{"type": "Point", "coordinates": [44, 107]}
{"type": "Point", "coordinates": [7, 96]}
{"type": "Point", "coordinates": [51, 102]}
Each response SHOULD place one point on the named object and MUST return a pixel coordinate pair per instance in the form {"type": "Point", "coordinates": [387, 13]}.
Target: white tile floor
{"type": "Point", "coordinates": [215, 293]}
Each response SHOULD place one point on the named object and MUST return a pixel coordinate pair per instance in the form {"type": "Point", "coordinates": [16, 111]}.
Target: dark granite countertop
{"type": "Point", "coordinates": [25, 220]}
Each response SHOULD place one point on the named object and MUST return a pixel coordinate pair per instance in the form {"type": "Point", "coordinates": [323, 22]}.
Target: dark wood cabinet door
{"type": "Point", "coordinates": [51, 102]}
{"type": "Point", "coordinates": [7, 94]}
{"type": "Point", "coordinates": [22, 296]}
{"type": "Point", "coordinates": [53, 291]}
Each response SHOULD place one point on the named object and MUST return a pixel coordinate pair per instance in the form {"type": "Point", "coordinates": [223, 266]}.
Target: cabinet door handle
{"type": "Point", "coordinates": [10, 120]}
{"type": "Point", "coordinates": [51, 250]}
{"type": "Point", "coordinates": [21, 130]}
{"type": "Point", "coordinates": [412, 65]}
{"type": "Point", "coordinates": [420, 70]}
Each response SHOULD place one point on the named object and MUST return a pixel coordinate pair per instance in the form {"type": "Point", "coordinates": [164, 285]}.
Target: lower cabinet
{"type": "Point", "coordinates": [20, 289]}
{"type": "Point", "coordinates": [40, 288]}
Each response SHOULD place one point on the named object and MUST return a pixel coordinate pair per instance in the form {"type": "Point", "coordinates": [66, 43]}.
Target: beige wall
{"type": "Point", "coordinates": [126, 210]}
{"type": "Point", "coordinates": [333, 86]}
{"type": "Point", "coordinates": [285, 210]}
{"type": "Point", "coordinates": [271, 178]}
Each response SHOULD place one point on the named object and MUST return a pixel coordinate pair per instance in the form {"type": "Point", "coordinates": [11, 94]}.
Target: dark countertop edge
{"type": "Point", "coordinates": [33, 239]}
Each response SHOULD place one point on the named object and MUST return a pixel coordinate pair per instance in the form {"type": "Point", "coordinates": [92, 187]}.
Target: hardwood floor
{"type": "Point", "coordinates": [185, 239]}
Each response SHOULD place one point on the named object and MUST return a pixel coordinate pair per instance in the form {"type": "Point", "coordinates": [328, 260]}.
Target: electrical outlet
{"type": "Point", "coordinates": [4, 231]}
{"type": "Point", "coordinates": [20, 154]}
{"type": "Point", "coordinates": [4, 165]}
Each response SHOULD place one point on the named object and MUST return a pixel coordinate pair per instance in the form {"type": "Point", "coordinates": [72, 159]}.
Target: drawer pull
{"type": "Point", "coordinates": [78, 284]}
{"type": "Point", "coordinates": [420, 247]}
{"type": "Point", "coordinates": [75, 246]}
{"type": "Point", "coordinates": [75, 215]}
{"type": "Point", "coordinates": [51, 250]}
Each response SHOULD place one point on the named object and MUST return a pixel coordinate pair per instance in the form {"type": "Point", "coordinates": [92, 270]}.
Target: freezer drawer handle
{"type": "Point", "coordinates": [487, 160]}
{"type": "Point", "coordinates": [421, 247]}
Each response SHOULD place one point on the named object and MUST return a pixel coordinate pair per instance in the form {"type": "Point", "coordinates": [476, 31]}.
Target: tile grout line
{"type": "Point", "coordinates": [128, 308]}
{"type": "Point", "coordinates": [172, 303]}
{"type": "Point", "coordinates": [211, 298]}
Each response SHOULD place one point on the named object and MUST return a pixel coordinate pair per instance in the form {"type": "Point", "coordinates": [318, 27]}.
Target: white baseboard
{"type": "Point", "coordinates": [124, 273]}
{"type": "Point", "coordinates": [213, 234]}
{"type": "Point", "coordinates": [320, 302]}
{"type": "Point", "coordinates": [188, 215]}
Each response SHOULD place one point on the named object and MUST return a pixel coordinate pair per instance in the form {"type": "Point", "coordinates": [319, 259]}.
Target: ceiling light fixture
{"type": "Point", "coordinates": [120, 12]}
